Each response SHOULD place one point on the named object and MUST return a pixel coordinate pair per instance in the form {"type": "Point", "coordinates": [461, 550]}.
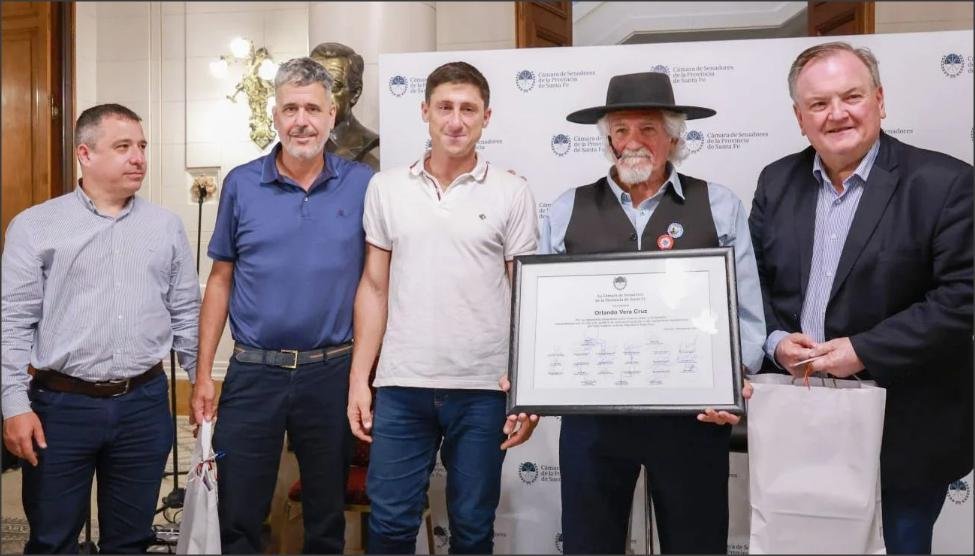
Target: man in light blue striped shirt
{"type": "Point", "coordinates": [98, 284]}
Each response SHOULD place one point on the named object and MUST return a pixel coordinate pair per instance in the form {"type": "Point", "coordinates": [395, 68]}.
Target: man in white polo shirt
{"type": "Point", "coordinates": [435, 292]}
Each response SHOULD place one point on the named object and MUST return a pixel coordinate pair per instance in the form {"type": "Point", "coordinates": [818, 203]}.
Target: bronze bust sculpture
{"type": "Point", "coordinates": [349, 138]}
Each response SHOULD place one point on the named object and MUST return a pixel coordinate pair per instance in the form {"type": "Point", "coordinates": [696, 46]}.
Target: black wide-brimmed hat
{"type": "Point", "coordinates": [638, 91]}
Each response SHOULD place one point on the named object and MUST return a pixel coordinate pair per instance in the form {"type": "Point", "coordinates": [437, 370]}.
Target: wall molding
{"type": "Point", "coordinates": [603, 23]}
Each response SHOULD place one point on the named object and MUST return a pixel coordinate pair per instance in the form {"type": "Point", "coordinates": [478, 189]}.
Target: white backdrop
{"type": "Point", "coordinates": [928, 82]}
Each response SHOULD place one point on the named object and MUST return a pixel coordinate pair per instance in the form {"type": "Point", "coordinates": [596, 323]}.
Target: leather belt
{"type": "Point", "coordinates": [288, 358]}
{"type": "Point", "coordinates": [60, 382]}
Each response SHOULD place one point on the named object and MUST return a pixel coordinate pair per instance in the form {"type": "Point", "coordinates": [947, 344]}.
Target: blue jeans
{"type": "Point", "coordinates": [258, 403]}
{"type": "Point", "coordinates": [909, 515]}
{"type": "Point", "coordinates": [125, 440]}
{"type": "Point", "coordinates": [409, 425]}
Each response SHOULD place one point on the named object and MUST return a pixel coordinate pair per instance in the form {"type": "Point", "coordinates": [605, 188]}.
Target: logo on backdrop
{"type": "Point", "coordinates": [692, 74]}
{"type": "Point", "coordinates": [483, 143]}
{"type": "Point", "coordinates": [561, 144]}
{"type": "Point", "coordinates": [441, 536]}
{"type": "Point", "coordinates": [528, 472]}
{"type": "Point", "coordinates": [525, 80]}
{"type": "Point", "coordinates": [694, 140]}
{"type": "Point", "coordinates": [398, 85]}
{"type": "Point", "coordinates": [899, 131]}
{"type": "Point", "coordinates": [959, 491]}
{"type": "Point", "coordinates": [439, 471]}
{"type": "Point", "coordinates": [952, 64]}
{"type": "Point", "coordinates": [737, 548]}
{"type": "Point", "coordinates": [619, 283]}
{"type": "Point", "coordinates": [558, 542]}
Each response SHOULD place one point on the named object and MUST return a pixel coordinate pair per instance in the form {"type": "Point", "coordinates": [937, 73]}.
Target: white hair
{"type": "Point", "coordinates": [675, 123]}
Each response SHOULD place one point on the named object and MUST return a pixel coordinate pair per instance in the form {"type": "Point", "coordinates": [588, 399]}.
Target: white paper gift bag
{"type": "Point", "coordinates": [814, 465]}
{"type": "Point", "coordinates": [199, 531]}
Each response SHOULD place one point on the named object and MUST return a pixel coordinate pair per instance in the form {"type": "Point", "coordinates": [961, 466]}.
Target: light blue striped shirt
{"type": "Point", "coordinates": [92, 296]}
{"type": "Point", "coordinates": [731, 223]}
{"type": "Point", "coordinates": [834, 216]}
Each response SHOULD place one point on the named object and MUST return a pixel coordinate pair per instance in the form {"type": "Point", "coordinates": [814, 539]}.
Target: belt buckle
{"type": "Point", "coordinates": [124, 381]}
{"type": "Point", "coordinates": [293, 352]}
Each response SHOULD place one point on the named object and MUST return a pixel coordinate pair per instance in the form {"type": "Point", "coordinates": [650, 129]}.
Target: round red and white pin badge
{"type": "Point", "coordinates": [665, 242]}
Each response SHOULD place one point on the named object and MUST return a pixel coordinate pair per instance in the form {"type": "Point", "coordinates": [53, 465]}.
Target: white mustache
{"type": "Point", "coordinates": [639, 153]}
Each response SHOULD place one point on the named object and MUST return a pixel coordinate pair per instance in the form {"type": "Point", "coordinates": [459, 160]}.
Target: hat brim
{"type": "Point", "coordinates": [592, 115]}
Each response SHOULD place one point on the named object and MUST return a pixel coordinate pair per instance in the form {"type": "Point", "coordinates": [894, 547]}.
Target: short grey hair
{"type": "Point", "coordinates": [675, 123]}
{"type": "Point", "coordinates": [829, 49]}
{"type": "Point", "coordinates": [301, 72]}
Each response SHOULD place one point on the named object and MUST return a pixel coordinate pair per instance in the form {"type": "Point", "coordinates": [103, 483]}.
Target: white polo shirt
{"type": "Point", "coordinates": [449, 296]}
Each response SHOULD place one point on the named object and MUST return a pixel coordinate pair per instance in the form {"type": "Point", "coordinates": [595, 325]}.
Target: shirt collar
{"type": "Point", "coordinates": [673, 180]}
{"type": "Point", "coordinates": [862, 171]}
{"type": "Point", "coordinates": [90, 205]}
{"type": "Point", "coordinates": [478, 173]}
{"type": "Point", "coordinates": [270, 174]}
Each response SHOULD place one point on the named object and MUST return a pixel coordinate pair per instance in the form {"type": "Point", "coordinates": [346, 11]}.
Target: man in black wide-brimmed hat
{"type": "Point", "coordinates": [643, 203]}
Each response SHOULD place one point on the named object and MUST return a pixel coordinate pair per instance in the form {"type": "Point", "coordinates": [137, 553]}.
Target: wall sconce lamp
{"type": "Point", "coordinates": [255, 84]}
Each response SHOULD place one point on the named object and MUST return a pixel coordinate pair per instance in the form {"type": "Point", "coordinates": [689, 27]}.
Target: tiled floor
{"type": "Point", "coordinates": [13, 524]}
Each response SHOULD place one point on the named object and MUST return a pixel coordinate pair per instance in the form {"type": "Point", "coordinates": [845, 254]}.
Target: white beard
{"type": "Point", "coordinates": [634, 166]}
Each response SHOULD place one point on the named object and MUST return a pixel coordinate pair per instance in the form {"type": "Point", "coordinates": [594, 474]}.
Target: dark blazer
{"type": "Point", "coordinates": [902, 294]}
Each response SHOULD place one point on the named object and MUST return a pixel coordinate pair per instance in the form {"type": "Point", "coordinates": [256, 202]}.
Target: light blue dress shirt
{"type": "Point", "coordinates": [731, 222]}
{"type": "Point", "coordinates": [834, 216]}
{"type": "Point", "coordinates": [94, 296]}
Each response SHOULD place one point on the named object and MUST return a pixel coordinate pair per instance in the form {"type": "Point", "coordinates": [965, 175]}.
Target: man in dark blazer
{"type": "Point", "coordinates": [864, 251]}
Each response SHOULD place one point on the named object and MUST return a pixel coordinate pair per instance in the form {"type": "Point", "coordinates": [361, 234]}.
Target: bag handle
{"type": "Point", "coordinates": [208, 457]}
{"type": "Point", "coordinates": [824, 376]}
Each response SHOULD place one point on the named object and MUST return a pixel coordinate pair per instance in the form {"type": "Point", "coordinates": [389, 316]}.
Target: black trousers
{"type": "Point", "coordinates": [257, 405]}
{"type": "Point", "coordinates": [687, 468]}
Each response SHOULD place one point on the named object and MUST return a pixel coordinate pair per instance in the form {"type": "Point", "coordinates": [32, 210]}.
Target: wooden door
{"type": "Point", "coordinates": [840, 18]}
{"type": "Point", "coordinates": [31, 106]}
{"type": "Point", "coordinates": [543, 24]}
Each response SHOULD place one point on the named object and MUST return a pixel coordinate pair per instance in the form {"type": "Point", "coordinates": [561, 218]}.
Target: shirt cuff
{"type": "Point", "coordinates": [16, 404]}
{"type": "Point", "coordinates": [771, 343]}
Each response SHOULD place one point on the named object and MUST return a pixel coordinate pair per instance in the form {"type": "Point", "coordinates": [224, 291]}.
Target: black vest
{"type": "Point", "coordinates": [599, 225]}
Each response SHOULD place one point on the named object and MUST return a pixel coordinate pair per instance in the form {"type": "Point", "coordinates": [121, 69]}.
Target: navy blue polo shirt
{"type": "Point", "coordinates": [297, 256]}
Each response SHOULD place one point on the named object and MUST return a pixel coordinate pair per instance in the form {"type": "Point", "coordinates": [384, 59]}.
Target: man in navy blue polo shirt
{"type": "Point", "coordinates": [287, 254]}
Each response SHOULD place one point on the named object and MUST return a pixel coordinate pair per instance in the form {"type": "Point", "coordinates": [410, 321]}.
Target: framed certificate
{"type": "Point", "coordinates": [633, 333]}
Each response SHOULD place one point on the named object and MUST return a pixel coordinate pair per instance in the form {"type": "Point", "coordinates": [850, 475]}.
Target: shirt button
{"type": "Point", "coordinates": [120, 317]}
{"type": "Point", "coordinates": [306, 199]}
{"type": "Point", "coordinates": [828, 275]}
{"type": "Point", "coordinates": [832, 236]}
{"type": "Point", "coordinates": [643, 212]}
